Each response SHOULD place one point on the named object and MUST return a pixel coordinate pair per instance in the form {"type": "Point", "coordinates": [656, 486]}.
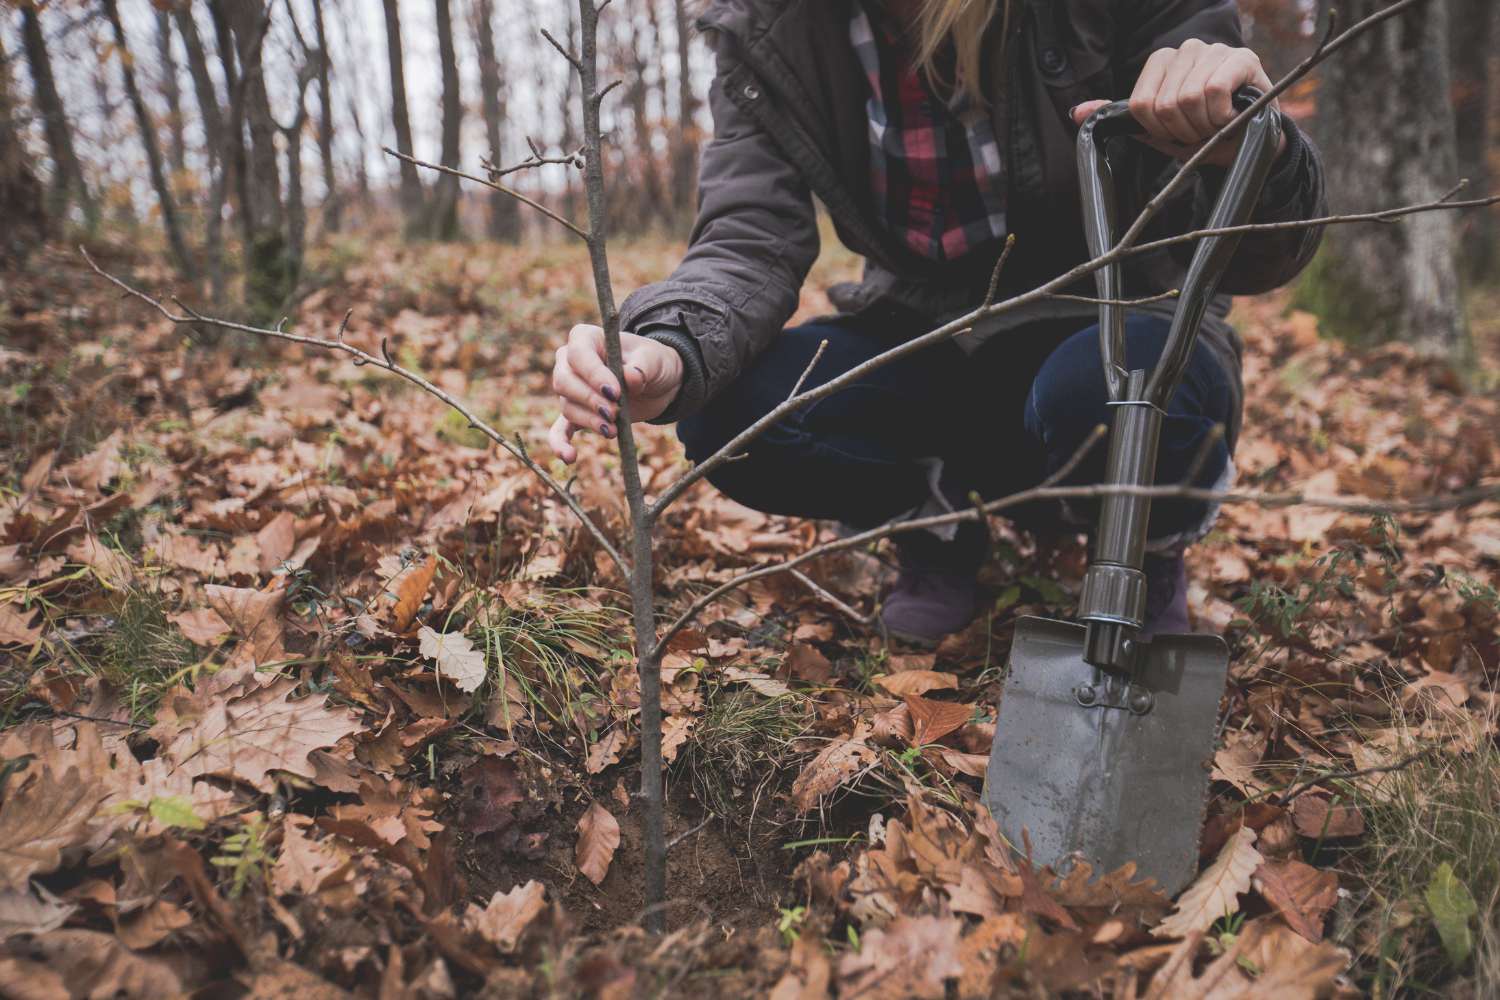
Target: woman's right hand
{"type": "Point", "coordinates": [590, 394]}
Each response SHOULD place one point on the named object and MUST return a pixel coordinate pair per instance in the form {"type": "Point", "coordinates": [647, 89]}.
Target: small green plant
{"type": "Point", "coordinates": [244, 854]}
{"type": "Point", "coordinates": [789, 925]}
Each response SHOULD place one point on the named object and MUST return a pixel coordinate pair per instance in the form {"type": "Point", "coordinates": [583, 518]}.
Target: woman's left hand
{"type": "Point", "coordinates": [1185, 95]}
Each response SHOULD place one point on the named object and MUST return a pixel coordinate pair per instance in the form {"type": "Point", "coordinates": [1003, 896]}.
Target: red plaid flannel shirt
{"type": "Point", "coordinates": [935, 168]}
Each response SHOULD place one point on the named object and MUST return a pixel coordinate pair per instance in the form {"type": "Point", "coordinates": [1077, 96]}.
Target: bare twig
{"type": "Point", "coordinates": [964, 323]}
{"type": "Point", "coordinates": [1145, 300]}
{"type": "Point", "coordinates": [817, 356]}
{"type": "Point", "coordinates": [565, 53]}
{"type": "Point", "coordinates": [684, 835]}
{"type": "Point", "coordinates": [360, 357]}
{"type": "Point", "coordinates": [1297, 788]}
{"type": "Point", "coordinates": [994, 285]}
{"type": "Point", "coordinates": [1352, 505]}
{"type": "Point", "coordinates": [571, 227]}
{"type": "Point", "coordinates": [829, 597]}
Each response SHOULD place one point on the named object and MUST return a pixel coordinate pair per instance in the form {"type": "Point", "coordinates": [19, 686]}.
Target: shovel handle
{"type": "Point", "coordinates": [1241, 189]}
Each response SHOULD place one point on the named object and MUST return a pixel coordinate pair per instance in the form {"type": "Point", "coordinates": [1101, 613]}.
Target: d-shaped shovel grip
{"type": "Point", "coordinates": [1241, 190]}
{"type": "Point", "coordinates": [1113, 601]}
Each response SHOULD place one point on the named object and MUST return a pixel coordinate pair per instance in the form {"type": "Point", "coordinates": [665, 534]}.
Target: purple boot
{"type": "Point", "coordinates": [937, 591]}
{"type": "Point", "coordinates": [1166, 597]}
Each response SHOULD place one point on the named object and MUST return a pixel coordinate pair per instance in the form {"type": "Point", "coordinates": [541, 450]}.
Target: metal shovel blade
{"type": "Point", "coordinates": [1106, 785]}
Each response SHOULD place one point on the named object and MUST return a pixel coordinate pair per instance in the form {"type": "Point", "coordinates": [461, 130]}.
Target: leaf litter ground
{"type": "Point", "coordinates": [307, 689]}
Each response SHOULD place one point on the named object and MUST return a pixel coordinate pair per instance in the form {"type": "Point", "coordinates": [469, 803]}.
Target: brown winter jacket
{"type": "Point", "coordinates": [788, 103]}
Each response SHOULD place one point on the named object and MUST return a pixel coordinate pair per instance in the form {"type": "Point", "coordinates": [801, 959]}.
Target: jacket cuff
{"type": "Point", "coordinates": [1281, 197]}
{"type": "Point", "coordinates": [1288, 179]}
{"type": "Point", "coordinates": [690, 395]}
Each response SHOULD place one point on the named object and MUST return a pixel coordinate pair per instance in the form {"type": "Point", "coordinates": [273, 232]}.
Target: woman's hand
{"type": "Point", "coordinates": [1185, 95]}
{"type": "Point", "coordinates": [590, 394]}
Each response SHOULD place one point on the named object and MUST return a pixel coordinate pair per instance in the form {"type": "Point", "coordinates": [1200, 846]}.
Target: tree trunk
{"type": "Point", "coordinates": [1474, 32]}
{"type": "Point", "coordinates": [171, 92]}
{"type": "Point", "coordinates": [184, 259]}
{"type": "Point", "coordinates": [1387, 125]}
{"type": "Point", "coordinates": [246, 24]}
{"type": "Point", "coordinates": [21, 200]}
{"type": "Point", "coordinates": [214, 143]}
{"type": "Point", "coordinates": [685, 153]}
{"type": "Point", "coordinates": [650, 205]}
{"type": "Point", "coordinates": [445, 190]}
{"type": "Point", "coordinates": [67, 173]}
{"type": "Point", "coordinates": [411, 184]}
{"type": "Point", "coordinates": [505, 211]}
{"type": "Point", "coordinates": [332, 207]}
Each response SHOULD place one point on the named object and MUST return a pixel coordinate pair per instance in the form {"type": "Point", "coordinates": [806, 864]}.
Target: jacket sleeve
{"type": "Point", "coordinates": [1294, 191]}
{"type": "Point", "coordinates": [755, 238]}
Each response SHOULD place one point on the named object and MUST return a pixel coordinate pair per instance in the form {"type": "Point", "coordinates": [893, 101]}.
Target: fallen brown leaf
{"type": "Point", "coordinates": [598, 838]}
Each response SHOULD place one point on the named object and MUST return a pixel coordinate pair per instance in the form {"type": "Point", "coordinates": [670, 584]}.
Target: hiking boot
{"type": "Point", "coordinates": [1166, 597]}
{"type": "Point", "coordinates": [937, 590]}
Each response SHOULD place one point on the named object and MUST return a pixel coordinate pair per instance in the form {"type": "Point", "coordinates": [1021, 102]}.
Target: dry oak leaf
{"type": "Point", "coordinates": [1216, 892]}
{"type": "Point", "coordinates": [87, 964]}
{"type": "Point", "coordinates": [23, 911]}
{"type": "Point", "coordinates": [247, 732]}
{"type": "Point", "coordinates": [1288, 968]}
{"type": "Point", "coordinates": [16, 628]}
{"type": "Point", "coordinates": [1316, 817]}
{"type": "Point", "coordinates": [455, 657]}
{"type": "Point", "coordinates": [835, 764]}
{"type": "Point", "coordinates": [275, 542]}
{"type": "Point", "coordinates": [932, 719]}
{"type": "Point", "coordinates": [203, 626]}
{"type": "Point", "coordinates": [606, 751]}
{"type": "Point", "coordinates": [808, 972]}
{"type": "Point", "coordinates": [150, 925]}
{"type": "Point", "coordinates": [411, 590]}
{"type": "Point", "coordinates": [253, 615]}
{"type": "Point", "coordinates": [917, 682]}
{"type": "Point", "coordinates": [508, 914]}
{"type": "Point", "coordinates": [1299, 892]}
{"type": "Point", "coordinates": [41, 819]}
{"type": "Point", "coordinates": [598, 838]}
{"type": "Point", "coordinates": [305, 865]}
{"type": "Point", "coordinates": [910, 957]}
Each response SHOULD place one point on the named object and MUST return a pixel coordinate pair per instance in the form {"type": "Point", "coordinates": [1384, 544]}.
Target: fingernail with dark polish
{"type": "Point", "coordinates": [609, 393]}
{"type": "Point", "coordinates": [606, 430]}
{"type": "Point", "coordinates": [603, 412]}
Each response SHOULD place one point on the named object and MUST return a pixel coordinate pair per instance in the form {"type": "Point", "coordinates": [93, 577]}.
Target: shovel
{"type": "Point", "coordinates": [1104, 739]}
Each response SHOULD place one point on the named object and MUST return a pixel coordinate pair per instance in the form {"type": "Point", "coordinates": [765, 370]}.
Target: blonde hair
{"type": "Point", "coordinates": [965, 23]}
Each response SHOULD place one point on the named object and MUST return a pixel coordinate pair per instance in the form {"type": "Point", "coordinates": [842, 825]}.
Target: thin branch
{"type": "Point", "coordinates": [364, 358]}
{"type": "Point", "coordinates": [1127, 303]}
{"type": "Point", "coordinates": [817, 356]}
{"type": "Point", "coordinates": [1352, 505]}
{"type": "Point", "coordinates": [571, 227]}
{"type": "Point", "coordinates": [1123, 249]}
{"type": "Point", "coordinates": [964, 323]}
{"type": "Point", "coordinates": [684, 835]}
{"type": "Point", "coordinates": [994, 286]}
{"type": "Point", "coordinates": [565, 53]}
{"type": "Point", "coordinates": [828, 596]}
{"type": "Point", "coordinates": [536, 159]}
{"type": "Point", "coordinates": [1292, 791]}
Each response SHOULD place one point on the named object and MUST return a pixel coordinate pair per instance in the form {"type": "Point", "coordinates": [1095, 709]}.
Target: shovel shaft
{"type": "Point", "coordinates": [1113, 601]}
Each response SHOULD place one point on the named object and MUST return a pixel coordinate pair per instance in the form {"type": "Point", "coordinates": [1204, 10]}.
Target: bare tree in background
{"type": "Point", "coordinates": [68, 184]}
{"type": "Point", "coordinates": [643, 48]}
{"type": "Point", "coordinates": [685, 153]}
{"type": "Point", "coordinates": [445, 190]}
{"type": "Point", "coordinates": [171, 92]}
{"type": "Point", "coordinates": [1474, 32]}
{"type": "Point", "coordinates": [1387, 125]}
{"type": "Point", "coordinates": [215, 144]}
{"type": "Point", "coordinates": [21, 201]}
{"type": "Point", "coordinates": [332, 204]}
{"type": "Point", "coordinates": [411, 185]}
{"type": "Point", "coordinates": [505, 212]}
{"type": "Point", "coordinates": [169, 218]}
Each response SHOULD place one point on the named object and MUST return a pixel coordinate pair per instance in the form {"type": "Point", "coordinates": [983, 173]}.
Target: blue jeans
{"type": "Point", "coordinates": [1000, 419]}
